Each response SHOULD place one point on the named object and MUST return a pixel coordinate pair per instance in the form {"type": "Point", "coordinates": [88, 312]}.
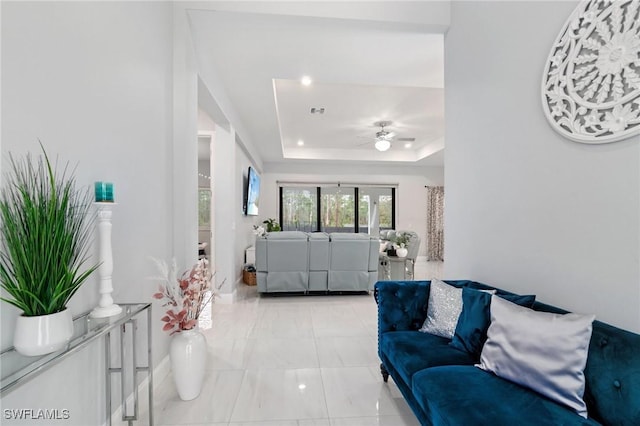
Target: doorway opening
{"type": "Point", "coordinates": [205, 227]}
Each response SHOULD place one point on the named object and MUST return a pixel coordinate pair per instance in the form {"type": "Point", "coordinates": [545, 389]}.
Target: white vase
{"type": "Point", "coordinates": [43, 334]}
{"type": "Point", "coordinates": [402, 252]}
{"type": "Point", "coordinates": [188, 354]}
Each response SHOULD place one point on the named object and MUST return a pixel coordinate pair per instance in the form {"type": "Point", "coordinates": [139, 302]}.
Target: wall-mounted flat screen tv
{"type": "Point", "coordinates": [253, 193]}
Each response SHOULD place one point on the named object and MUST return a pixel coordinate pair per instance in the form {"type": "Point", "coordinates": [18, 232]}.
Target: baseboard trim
{"type": "Point", "coordinates": [228, 298]}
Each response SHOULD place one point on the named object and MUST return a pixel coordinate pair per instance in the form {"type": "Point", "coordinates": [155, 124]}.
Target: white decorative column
{"type": "Point", "coordinates": [106, 307]}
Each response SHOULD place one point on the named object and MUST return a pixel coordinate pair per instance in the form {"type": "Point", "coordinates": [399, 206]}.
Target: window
{"type": "Point", "coordinates": [299, 209]}
{"type": "Point", "coordinates": [337, 208]}
{"type": "Point", "coordinates": [365, 212]}
{"type": "Point", "coordinates": [376, 208]}
{"type": "Point", "coordinates": [386, 211]}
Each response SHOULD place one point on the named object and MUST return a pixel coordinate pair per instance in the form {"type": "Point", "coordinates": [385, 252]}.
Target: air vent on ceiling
{"type": "Point", "coordinates": [315, 110]}
{"type": "Point", "coordinates": [406, 139]}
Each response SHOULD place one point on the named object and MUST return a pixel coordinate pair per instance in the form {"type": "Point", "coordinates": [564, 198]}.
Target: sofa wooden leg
{"type": "Point", "coordinates": [385, 373]}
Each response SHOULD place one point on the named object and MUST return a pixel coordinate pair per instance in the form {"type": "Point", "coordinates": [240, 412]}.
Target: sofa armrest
{"type": "Point", "coordinates": [261, 254]}
{"type": "Point", "coordinates": [402, 305]}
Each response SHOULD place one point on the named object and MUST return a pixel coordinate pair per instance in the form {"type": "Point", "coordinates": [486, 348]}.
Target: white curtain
{"type": "Point", "coordinates": [435, 223]}
{"type": "Point", "coordinates": [374, 220]}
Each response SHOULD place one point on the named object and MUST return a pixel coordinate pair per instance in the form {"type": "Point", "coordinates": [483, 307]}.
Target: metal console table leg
{"type": "Point", "coordinates": [383, 262]}
{"type": "Point", "coordinates": [150, 367]}
{"type": "Point", "coordinates": [135, 368]}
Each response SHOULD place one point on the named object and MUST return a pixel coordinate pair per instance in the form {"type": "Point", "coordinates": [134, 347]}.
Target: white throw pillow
{"type": "Point", "coordinates": [443, 310]}
{"type": "Point", "coordinates": [542, 351]}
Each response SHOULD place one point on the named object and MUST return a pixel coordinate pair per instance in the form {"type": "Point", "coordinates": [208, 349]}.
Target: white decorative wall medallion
{"type": "Point", "coordinates": [591, 82]}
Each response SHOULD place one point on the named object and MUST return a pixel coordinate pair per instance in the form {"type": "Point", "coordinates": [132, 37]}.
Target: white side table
{"type": "Point", "coordinates": [393, 268]}
{"type": "Point", "coordinates": [250, 255]}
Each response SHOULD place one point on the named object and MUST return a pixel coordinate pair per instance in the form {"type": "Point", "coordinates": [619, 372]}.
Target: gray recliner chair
{"type": "Point", "coordinates": [353, 262]}
{"type": "Point", "coordinates": [282, 262]}
{"type": "Point", "coordinates": [413, 247]}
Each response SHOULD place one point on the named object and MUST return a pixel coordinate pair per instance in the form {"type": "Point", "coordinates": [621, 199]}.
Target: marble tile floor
{"type": "Point", "coordinates": [292, 361]}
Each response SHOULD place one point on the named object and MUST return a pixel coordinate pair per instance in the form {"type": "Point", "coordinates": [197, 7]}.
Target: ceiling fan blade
{"type": "Point", "coordinates": [387, 137]}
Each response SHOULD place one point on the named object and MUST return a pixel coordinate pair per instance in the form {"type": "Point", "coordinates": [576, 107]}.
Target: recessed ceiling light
{"type": "Point", "coordinates": [407, 145]}
{"type": "Point", "coordinates": [300, 142]}
{"type": "Point", "coordinates": [306, 80]}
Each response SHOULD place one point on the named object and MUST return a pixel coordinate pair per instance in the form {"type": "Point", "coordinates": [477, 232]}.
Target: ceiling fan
{"type": "Point", "coordinates": [383, 137]}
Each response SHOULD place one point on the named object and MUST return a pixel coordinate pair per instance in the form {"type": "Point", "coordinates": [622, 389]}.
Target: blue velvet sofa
{"type": "Point", "coordinates": [442, 386]}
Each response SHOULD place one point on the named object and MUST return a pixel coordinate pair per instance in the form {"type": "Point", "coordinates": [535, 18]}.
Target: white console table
{"type": "Point", "coordinates": [17, 369]}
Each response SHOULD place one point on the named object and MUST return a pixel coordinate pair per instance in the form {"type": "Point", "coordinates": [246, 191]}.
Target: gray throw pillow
{"type": "Point", "coordinates": [542, 351]}
{"type": "Point", "coordinates": [443, 310]}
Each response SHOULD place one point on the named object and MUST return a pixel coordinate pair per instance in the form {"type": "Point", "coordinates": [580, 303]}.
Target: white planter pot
{"type": "Point", "coordinates": [188, 354]}
{"type": "Point", "coordinates": [402, 252]}
{"type": "Point", "coordinates": [43, 334]}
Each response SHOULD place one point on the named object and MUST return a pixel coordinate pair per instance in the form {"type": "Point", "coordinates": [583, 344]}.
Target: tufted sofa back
{"type": "Point", "coordinates": [612, 374]}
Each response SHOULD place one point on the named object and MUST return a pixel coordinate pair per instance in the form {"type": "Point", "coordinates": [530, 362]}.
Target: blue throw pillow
{"type": "Point", "coordinates": [475, 318]}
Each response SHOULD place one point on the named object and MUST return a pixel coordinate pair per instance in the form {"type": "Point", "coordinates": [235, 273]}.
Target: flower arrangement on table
{"type": "Point", "coordinates": [259, 230]}
{"type": "Point", "coordinates": [402, 239]}
{"type": "Point", "coordinates": [184, 297]}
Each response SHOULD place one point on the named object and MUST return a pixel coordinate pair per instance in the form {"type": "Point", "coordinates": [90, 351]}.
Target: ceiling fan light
{"type": "Point", "coordinates": [382, 145]}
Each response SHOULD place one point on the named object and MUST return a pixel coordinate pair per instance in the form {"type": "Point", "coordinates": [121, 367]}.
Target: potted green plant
{"type": "Point", "coordinates": [45, 236]}
{"type": "Point", "coordinates": [272, 225]}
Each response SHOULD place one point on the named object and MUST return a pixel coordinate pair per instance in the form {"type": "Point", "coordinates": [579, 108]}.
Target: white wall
{"type": "Point", "coordinates": [433, 15]}
{"type": "Point", "coordinates": [526, 209]}
{"type": "Point", "coordinates": [233, 231]}
{"type": "Point", "coordinates": [233, 153]}
{"type": "Point", "coordinates": [225, 210]}
{"type": "Point", "coordinates": [410, 193]}
{"type": "Point", "coordinates": [184, 125]}
{"type": "Point", "coordinates": [95, 82]}
{"type": "Point", "coordinates": [244, 224]}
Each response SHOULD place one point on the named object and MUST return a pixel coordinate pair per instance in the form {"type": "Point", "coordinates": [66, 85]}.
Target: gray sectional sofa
{"type": "Point", "coordinates": [293, 261]}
